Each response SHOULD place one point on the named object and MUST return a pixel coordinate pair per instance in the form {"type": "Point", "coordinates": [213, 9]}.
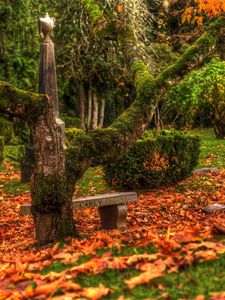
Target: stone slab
{"type": "Point", "coordinates": [113, 216]}
{"type": "Point", "coordinates": [206, 170]}
{"type": "Point", "coordinates": [211, 208]}
{"type": "Point", "coordinates": [105, 200]}
{"type": "Point", "coordinates": [94, 201]}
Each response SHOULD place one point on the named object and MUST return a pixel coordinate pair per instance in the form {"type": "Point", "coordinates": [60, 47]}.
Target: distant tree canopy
{"type": "Point", "coordinates": [19, 41]}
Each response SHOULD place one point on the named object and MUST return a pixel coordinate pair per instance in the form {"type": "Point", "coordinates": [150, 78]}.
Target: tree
{"type": "Point", "coordinates": [205, 86]}
{"type": "Point", "coordinates": [19, 41]}
{"type": "Point", "coordinates": [200, 10]}
{"type": "Point", "coordinates": [95, 63]}
{"type": "Point", "coordinates": [57, 169]}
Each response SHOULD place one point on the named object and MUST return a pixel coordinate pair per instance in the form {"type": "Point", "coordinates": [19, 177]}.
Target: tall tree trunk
{"type": "Point", "coordinates": [95, 111]}
{"type": "Point", "coordinates": [89, 108]}
{"type": "Point", "coordinates": [82, 106]}
{"type": "Point", "coordinates": [102, 111]}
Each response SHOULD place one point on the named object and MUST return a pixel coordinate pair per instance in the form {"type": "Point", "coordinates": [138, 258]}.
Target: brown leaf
{"type": "Point", "coordinates": [153, 271]}
{"type": "Point", "coordinates": [95, 293]}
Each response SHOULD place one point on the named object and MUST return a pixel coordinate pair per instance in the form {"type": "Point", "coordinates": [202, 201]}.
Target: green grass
{"type": "Point", "coordinates": [14, 187]}
{"type": "Point", "coordinates": [200, 279]}
{"type": "Point", "coordinates": [16, 152]}
{"type": "Point", "coordinates": [92, 183]}
{"type": "Point", "coordinates": [212, 149]}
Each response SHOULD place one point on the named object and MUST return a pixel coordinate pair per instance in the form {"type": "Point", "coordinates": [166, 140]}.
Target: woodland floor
{"type": "Point", "coordinates": [170, 249]}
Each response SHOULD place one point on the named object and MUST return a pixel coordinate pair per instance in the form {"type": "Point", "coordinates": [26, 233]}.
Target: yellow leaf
{"type": "Point", "coordinates": [120, 8]}
{"type": "Point", "coordinates": [95, 293]}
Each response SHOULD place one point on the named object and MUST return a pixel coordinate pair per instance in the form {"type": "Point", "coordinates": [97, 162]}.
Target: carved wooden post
{"type": "Point", "coordinates": [51, 193]}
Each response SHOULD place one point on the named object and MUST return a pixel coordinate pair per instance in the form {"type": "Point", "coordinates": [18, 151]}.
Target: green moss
{"type": "Point", "coordinates": [49, 193]}
{"type": "Point", "coordinates": [21, 103]}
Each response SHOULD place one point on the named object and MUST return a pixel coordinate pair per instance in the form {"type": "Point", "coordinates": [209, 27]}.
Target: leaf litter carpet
{"type": "Point", "coordinates": [170, 219]}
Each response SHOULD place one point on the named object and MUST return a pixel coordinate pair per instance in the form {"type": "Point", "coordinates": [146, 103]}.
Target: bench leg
{"type": "Point", "coordinates": [113, 216]}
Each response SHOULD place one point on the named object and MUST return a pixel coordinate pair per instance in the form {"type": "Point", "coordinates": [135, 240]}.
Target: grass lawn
{"type": "Point", "coordinates": [212, 149]}
{"type": "Point", "coordinates": [147, 226]}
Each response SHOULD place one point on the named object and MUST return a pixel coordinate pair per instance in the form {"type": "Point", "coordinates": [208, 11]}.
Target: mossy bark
{"type": "Point", "coordinates": [19, 103]}
{"type": "Point", "coordinates": [50, 188]}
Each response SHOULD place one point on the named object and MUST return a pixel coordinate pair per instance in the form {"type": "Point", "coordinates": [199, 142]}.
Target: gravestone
{"type": "Point", "coordinates": [211, 208]}
{"type": "Point", "coordinates": [47, 68]}
{"type": "Point", "coordinates": [206, 171]}
{"type": "Point", "coordinates": [47, 85]}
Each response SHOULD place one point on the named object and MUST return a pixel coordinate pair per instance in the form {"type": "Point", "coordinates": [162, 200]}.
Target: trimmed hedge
{"type": "Point", "coordinates": [6, 130]}
{"type": "Point", "coordinates": [1, 148]}
{"type": "Point", "coordinates": [155, 159]}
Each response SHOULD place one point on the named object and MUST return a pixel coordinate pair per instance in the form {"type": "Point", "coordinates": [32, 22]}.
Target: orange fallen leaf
{"type": "Point", "coordinates": [95, 293]}
{"type": "Point", "coordinates": [48, 288]}
{"type": "Point", "coordinates": [153, 271]}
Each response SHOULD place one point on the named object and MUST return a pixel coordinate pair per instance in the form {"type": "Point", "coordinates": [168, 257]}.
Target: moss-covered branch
{"type": "Point", "coordinates": [109, 144]}
{"type": "Point", "coordinates": [19, 103]}
{"type": "Point", "coordinates": [207, 42]}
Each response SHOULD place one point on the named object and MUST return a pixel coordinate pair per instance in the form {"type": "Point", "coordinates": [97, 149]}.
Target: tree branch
{"type": "Point", "coordinates": [110, 143]}
{"type": "Point", "coordinates": [19, 103]}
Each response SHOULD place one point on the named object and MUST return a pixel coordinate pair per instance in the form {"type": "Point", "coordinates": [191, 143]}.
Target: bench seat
{"type": "Point", "coordinates": [112, 207]}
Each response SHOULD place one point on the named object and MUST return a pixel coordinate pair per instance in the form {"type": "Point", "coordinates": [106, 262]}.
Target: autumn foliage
{"type": "Point", "coordinates": [201, 9]}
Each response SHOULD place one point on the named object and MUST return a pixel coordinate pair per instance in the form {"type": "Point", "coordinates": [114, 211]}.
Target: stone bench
{"type": "Point", "coordinates": [111, 206]}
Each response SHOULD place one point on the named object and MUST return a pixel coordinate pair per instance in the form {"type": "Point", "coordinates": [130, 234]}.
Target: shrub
{"type": "Point", "coordinates": [6, 130]}
{"type": "Point", "coordinates": [21, 132]}
{"type": "Point", "coordinates": [155, 159]}
{"type": "Point", "coordinates": [1, 148]}
{"type": "Point", "coordinates": [71, 122]}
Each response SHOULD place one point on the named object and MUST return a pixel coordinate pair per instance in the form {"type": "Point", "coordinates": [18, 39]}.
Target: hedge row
{"type": "Point", "coordinates": [155, 159]}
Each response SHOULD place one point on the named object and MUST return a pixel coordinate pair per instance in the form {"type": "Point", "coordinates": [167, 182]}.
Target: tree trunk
{"type": "Point", "coordinates": [51, 193]}
{"type": "Point", "coordinates": [95, 111]}
{"type": "Point", "coordinates": [102, 111]}
{"type": "Point", "coordinates": [89, 108]}
{"type": "Point", "coordinates": [82, 107]}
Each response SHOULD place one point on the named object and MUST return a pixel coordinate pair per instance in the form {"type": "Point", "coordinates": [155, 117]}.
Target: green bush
{"type": "Point", "coordinates": [21, 132]}
{"type": "Point", "coordinates": [71, 122]}
{"type": "Point", "coordinates": [6, 130]}
{"type": "Point", "coordinates": [155, 159]}
{"type": "Point", "coordinates": [1, 148]}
